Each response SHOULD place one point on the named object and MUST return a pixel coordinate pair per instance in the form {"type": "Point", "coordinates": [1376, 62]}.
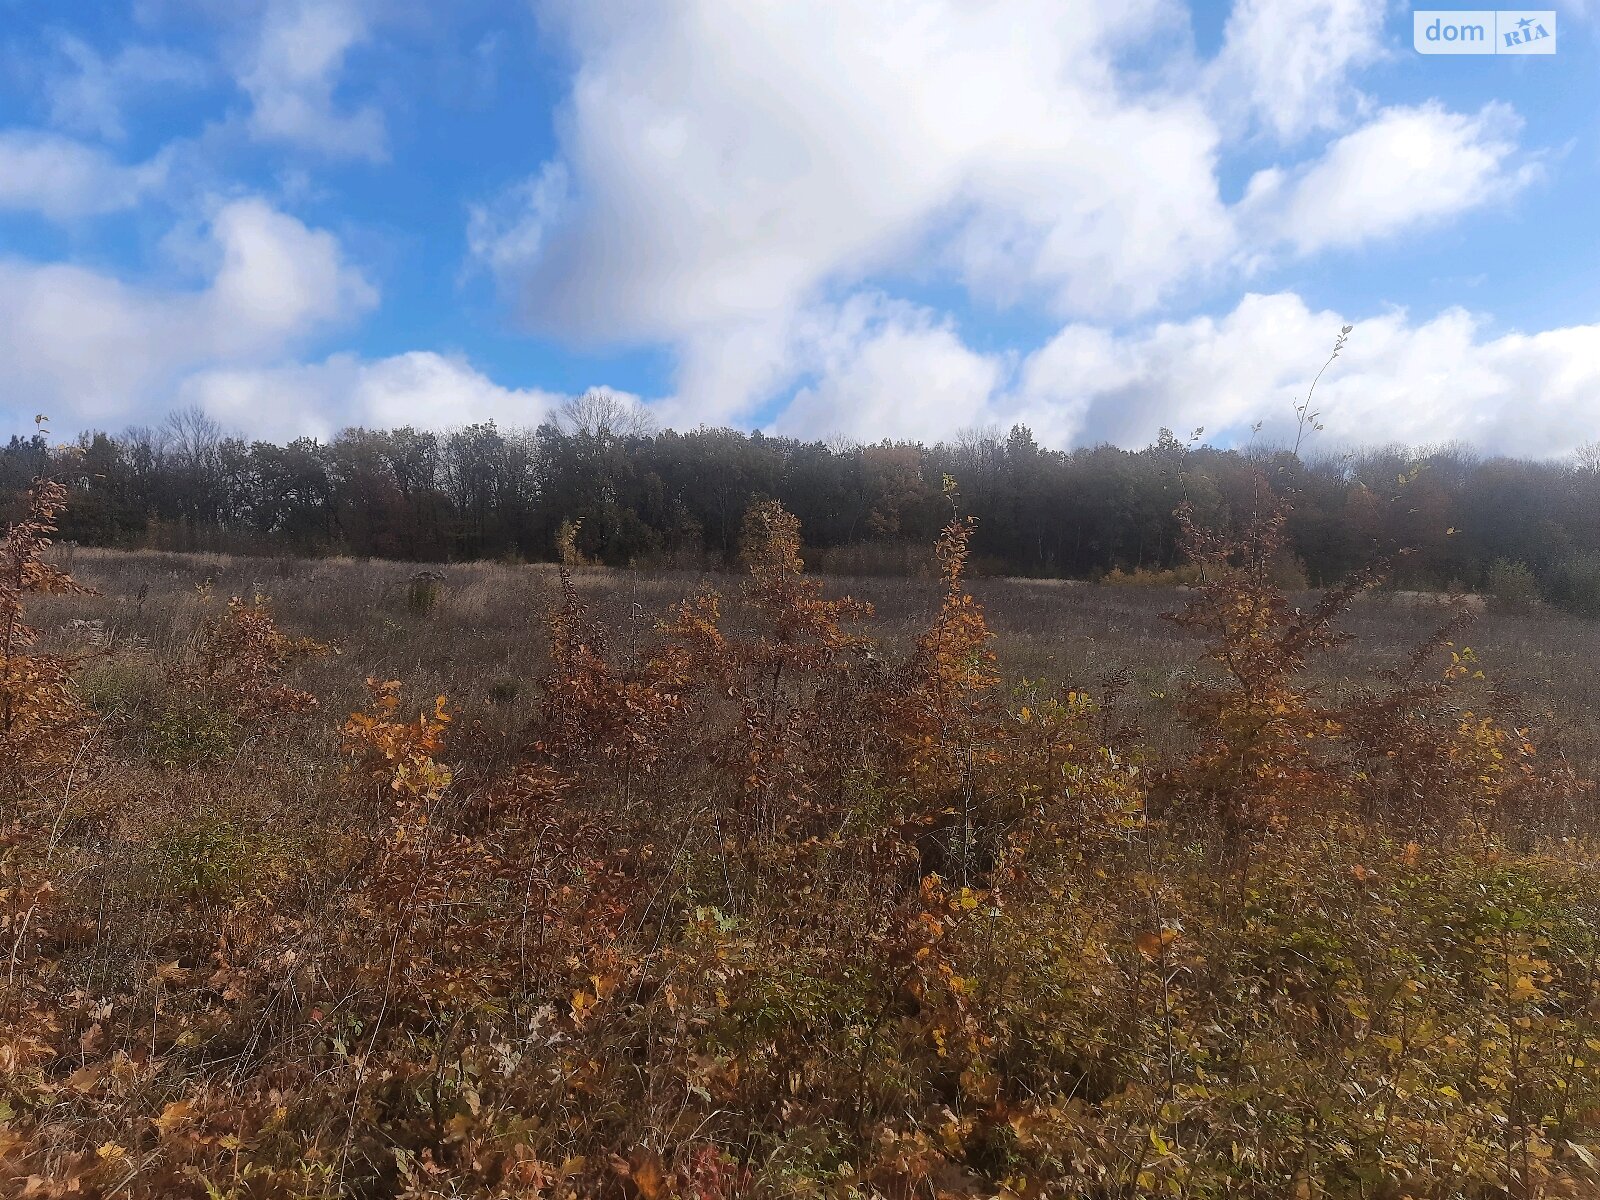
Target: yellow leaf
{"type": "Point", "coordinates": [582, 1003]}
{"type": "Point", "coordinates": [173, 1115]}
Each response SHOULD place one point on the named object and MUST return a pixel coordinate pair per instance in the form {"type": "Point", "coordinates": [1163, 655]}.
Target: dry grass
{"type": "Point", "coordinates": [487, 629]}
{"type": "Point", "coordinates": [676, 896]}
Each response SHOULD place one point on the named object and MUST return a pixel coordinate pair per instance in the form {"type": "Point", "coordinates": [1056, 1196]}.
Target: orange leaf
{"type": "Point", "coordinates": [648, 1177]}
{"type": "Point", "coordinates": [173, 1116]}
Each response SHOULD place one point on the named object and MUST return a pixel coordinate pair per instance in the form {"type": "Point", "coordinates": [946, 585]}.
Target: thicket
{"type": "Point", "coordinates": [597, 486]}
{"type": "Point", "coordinates": [760, 908]}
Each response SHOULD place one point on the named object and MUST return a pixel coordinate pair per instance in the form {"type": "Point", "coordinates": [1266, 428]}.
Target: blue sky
{"type": "Point", "coordinates": [907, 219]}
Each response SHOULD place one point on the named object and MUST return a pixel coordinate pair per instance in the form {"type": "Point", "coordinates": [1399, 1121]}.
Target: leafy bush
{"type": "Point", "coordinates": [422, 592]}
{"type": "Point", "coordinates": [124, 684]}
{"type": "Point", "coordinates": [1576, 586]}
{"type": "Point", "coordinates": [191, 732]}
{"type": "Point", "coordinates": [206, 859]}
{"type": "Point", "coordinates": [1511, 584]}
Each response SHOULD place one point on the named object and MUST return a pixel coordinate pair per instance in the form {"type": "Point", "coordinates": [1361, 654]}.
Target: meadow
{"type": "Point", "coordinates": [330, 877]}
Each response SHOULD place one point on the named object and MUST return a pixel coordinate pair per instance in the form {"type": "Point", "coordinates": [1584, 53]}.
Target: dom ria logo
{"type": "Point", "coordinates": [1484, 31]}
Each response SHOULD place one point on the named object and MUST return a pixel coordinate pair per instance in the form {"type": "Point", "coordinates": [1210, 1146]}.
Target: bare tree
{"type": "Point", "coordinates": [192, 436]}
{"type": "Point", "coordinates": [194, 449]}
{"type": "Point", "coordinates": [600, 412]}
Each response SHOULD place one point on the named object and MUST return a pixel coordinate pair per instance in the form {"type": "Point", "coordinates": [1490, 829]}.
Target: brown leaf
{"type": "Point", "coordinates": [92, 1038]}
{"type": "Point", "coordinates": [86, 1079]}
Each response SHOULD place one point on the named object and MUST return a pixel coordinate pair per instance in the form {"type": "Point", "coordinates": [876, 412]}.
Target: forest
{"type": "Point", "coordinates": [596, 484]}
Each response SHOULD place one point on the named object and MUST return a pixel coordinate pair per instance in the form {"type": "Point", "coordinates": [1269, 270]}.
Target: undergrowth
{"type": "Point", "coordinates": [762, 909]}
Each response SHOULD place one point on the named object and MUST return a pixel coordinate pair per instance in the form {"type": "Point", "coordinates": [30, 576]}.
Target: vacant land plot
{"type": "Point", "coordinates": [339, 878]}
{"type": "Point", "coordinates": [477, 631]}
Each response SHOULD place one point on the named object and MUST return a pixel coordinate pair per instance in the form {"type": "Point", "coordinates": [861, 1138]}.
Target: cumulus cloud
{"type": "Point", "coordinates": [747, 185]}
{"type": "Point", "coordinates": [874, 367]}
{"type": "Point", "coordinates": [1285, 65]}
{"type": "Point", "coordinates": [421, 389]}
{"type": "Point", "coordinates": [64, 179]}
{"type": "Point", "coordinates": [1400, 380]}
{"type": "Point", "coordinates": [89, 348]}
{"type": "Point", "coordinates": [727, 171]}
{"type": "Point", "coordinates": [292, 71]}
{"type": "Point", "coordinates": [884, 368]}
{"type": "Point", "coordinates": [728, 161]}
{"type": "Point", "coordinates": [1408, 166]}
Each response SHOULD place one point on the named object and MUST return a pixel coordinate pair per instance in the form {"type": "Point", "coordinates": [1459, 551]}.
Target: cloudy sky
{"type": "Point", "coordinates": [824, 218]}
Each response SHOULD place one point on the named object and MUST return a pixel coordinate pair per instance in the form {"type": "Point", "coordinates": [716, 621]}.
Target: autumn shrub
{"type": "Point", "coordinates": [1184, 575]}
{"type": "Point", "coordinates": [239, 662]}
{"type": "Point", "coordinates": [765, 906]}
{"type": "Point", "coordinates": [42, 726]}
{"type": "Point", "coordinates": [39, 706]}
{"type": "Point", "coordinates": [568, 553]}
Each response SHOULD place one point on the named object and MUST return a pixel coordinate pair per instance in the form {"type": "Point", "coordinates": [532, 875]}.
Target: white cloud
{"type": "Point", "coordinates": [292, 71]}
{"type": "Point", "coordinates": [1285, 64]}
{"type": "Point", "coordinates": [278, 280]}
{"type": "Point", "coordinates": [887, 369]}
{"type": "Point", "coordinates": [730, 161]}
{"type": "Point", "coordinates": [727, 170]}
{"type": "Point", "coordinates": [506, 233]}
{"type": "Point", "coordinates": [1407, 167]}
{"type": "Point", "coordinates": [90, 349]}
{"type": "Point", "coordinates": [90, 95]}
{"type": "Point", "coordinates": [884, 368]}
{"type": "Point", "coordinates": [421, 389]}
{"type": "Point", "coordinates": [1399, 381]}
{"type": "Point", "coordinates": [875, 367]}
{"type": "Point", "coordinates": [65, 179]}
{"type": "Point", "coordinates": [738, 181]}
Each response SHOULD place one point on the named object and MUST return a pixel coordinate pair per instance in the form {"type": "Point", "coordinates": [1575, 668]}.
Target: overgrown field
{"type": "Point", "coordinates": [328, 878]}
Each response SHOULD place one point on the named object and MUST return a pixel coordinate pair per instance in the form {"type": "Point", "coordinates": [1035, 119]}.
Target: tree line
{"type": "Point", "coordinates": [596, 483]}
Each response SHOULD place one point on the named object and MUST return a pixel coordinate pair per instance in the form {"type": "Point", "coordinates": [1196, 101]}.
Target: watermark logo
{"type": "Point", "coordinates": [1484, 31]}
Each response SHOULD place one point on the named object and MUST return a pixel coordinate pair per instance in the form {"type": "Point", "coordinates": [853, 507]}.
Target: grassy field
{"type": "Point", "coordinates": [479, 630]}
{"type": "Point", "coordinates": [682, 895]}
